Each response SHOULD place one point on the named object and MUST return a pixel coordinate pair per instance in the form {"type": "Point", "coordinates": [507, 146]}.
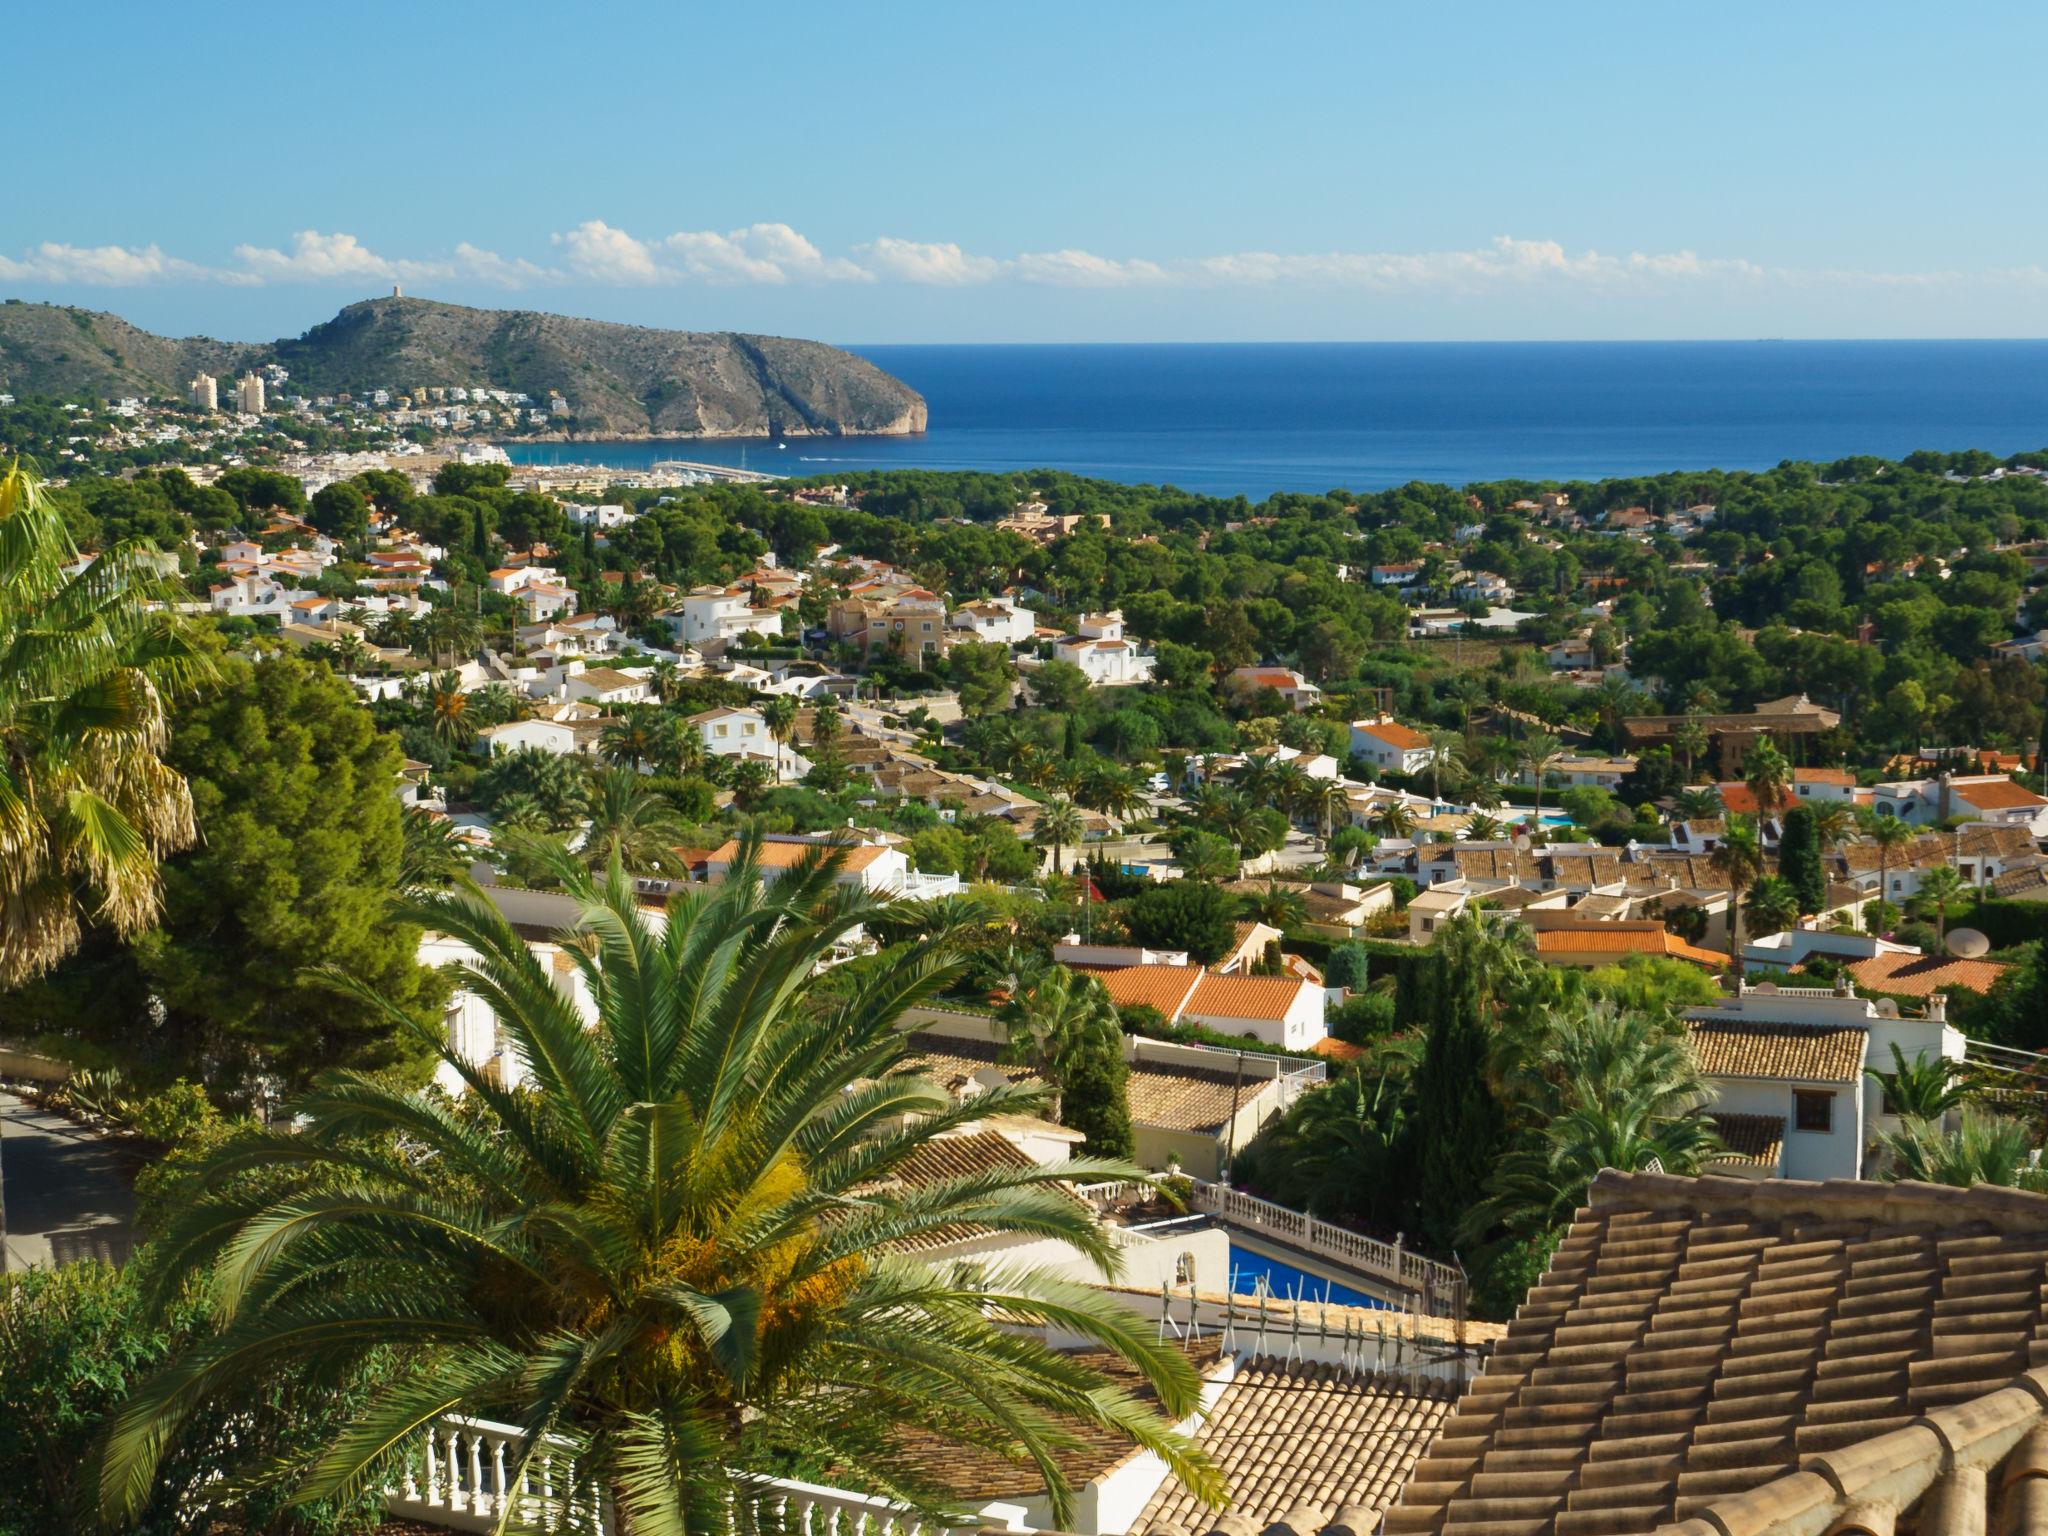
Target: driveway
{"type": "Point", "coordinates": [64, 1192]}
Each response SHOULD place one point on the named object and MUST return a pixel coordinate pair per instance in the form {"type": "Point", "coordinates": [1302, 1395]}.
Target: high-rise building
{"type": "Point", "coordinates": [249, 395]}
{"type": "Point", "coordinates": [204, 392]}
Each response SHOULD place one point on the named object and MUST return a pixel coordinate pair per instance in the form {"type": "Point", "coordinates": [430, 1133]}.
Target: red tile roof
{"type": "Point", "coordinates": [1921, 975]}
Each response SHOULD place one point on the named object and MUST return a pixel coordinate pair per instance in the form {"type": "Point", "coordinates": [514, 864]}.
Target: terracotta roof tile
{"type": "Point", "coordinates": [1794, 1052]}
{"type": "Point", "coordinates": [1247, 997]}
{"type": "Point", "coordinates": [1921, 975]}
{"type": "Point", "coordinates": [1287, 1436]}
{"type": "Point", "coordinates": [1757, 1139]}
{"type": "Point", "coordinates": [1394, 734]}
{"type": "Point", "coordinates": [1164, 987]}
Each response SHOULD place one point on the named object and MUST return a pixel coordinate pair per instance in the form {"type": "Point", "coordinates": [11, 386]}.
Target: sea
{"type": "Point", "coordinates": [1253, 418]}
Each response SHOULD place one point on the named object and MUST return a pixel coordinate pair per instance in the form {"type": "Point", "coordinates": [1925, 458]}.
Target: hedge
{"type": "Point", "coordinates": [2007, 924]}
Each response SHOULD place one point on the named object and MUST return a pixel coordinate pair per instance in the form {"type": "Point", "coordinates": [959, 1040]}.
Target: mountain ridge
{"type": "Point", "coordinates": [621, 380]}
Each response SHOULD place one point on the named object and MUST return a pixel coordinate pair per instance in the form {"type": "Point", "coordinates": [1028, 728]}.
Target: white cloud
{"type": "Point", "coordinates": [917, 261]}
{"type": "Point", "coordinates": [104, 266]}
{"type": "Point", "coordinates": [599, 254]}
{"type": "Point", "coordinates": [336, 258]}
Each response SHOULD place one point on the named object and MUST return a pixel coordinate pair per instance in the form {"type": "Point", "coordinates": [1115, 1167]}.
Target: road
{"type": "Point", "coordinates": [64, 1193]}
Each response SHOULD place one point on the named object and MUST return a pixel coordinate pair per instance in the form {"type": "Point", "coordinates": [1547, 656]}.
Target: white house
{"type": "Point", "coordinates": [1991, 797]}
{"type": "Point", "coordinates": [1286, 1011]}
{"type": "Point", "coordinates": [743, 733]}
{"type": "Point", "coordinates": [1101, 651]}
{"type": "Point", "coordinates": [722, 615]}
{"type": "Point", "coordinates": [605, 685]}
{"type": "Point", "coordinates": [876, 863]}
{"type": "Point", "coordinates": [998, 620]}
{"type": "Point", "coordinates": [1389, 745]}
{"type": "Point", "coordinates": [562, 737]}
{"type": "Point", "coordinates": [1824, 786]}
{"type": "Point", "coordinates": [1786, 1066]}
{"type": "Point", "coordinates": [1576, 772]}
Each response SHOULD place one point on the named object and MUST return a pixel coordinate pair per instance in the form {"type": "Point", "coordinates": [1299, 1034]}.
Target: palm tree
{"type": "Point", "coordinates": [448, 710]}
{"type": "Point", "coordinates": [1538, 752]}
{"type": "Point", "coordinates": [1888, 832]}
{"type": "Point", "coordinates": [1482, 828]}
{"type": "Point", "coordinates": [779, 715]}
{"type": "Point", "coordinates": [1700, 803]}
{"type": "Point", "coordinates": [520, 811]}
{"type": "Point", "coordinates": [1293, 789]}
{"type": "Point", "coordinates": [497, 704]}
{"type": "Point", "coordinates": [1832, 824]}
{"type": "Point", "coordinates": [1984, 1149]}
{"type": "Point", "coordinates": [1257, 780]}
{"type": "Point", "coordinates": [1331, 801]}
{"type": "Point", "coordinates": [1112, 791]}
{"type": "Point", "coordinates": [633, 826]}
{"type": "Point", "coordinates": [1277, 906]}
{"type": "Point", "coordinates": [825, 723]}
{"type": "Point", "coordinates": [1691, 741]}
{"type": "Point", "coordinates": [1768, 776]}
{"type": "Point", "coordinates": [1060, 825]}
{"type": "Point", "coordinates": [1939, 888]}
{"type": "Point", "coordinates": [1598, 1088]}
{"type": "Point", "coordinates": [1446, 752]}
{"type": "Point", "coordinates": [667, 678]}
{"type": "Point", "coordinates": [679, 744]}
{"type": "Point", "coordinates": [1393, 818]}
{"type": "Point", "coordinates": [1773, 905]}
{"type": "Point", "coordinates": [433, 854]}
{"type": "Point", "coordinates": [1920, 1089]}
{"type": "Point", "coordinates": [1061, 1026]}
{"type": "Point", "coordinates": [678, 1253]}
{"type": "Point", "coordinates": [87, 806]}
{"type": "Point", "coordinates": [631, 741]}
{"type": "Point", "coordinates": [1739, 859]}
{"type": "Point", "coordinates": [1347, 1139]}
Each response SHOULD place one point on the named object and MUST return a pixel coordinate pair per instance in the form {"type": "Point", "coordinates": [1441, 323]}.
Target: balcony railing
{"type": "Point", "coordinates": [462, 1479]}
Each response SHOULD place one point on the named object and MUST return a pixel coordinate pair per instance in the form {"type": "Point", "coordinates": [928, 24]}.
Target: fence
{"type": "Point", "coordinates": [1437, 1285]}
{"type": "Point", "coordinates": [465, 1477]}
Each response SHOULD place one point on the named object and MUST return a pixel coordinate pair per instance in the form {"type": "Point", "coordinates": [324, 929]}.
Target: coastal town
{"type": "Point", "coordinates": [1235, 827]}
{"type": "Point", "coordinates": [973, 771]}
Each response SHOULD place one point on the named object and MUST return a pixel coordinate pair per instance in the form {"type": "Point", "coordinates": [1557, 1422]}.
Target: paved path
{"type": "Point", "coordinates": [64, 1193]}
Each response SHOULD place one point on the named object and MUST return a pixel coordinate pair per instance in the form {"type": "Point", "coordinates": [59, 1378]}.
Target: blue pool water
{"type": "Point", "coordinates": [1285, 1280]}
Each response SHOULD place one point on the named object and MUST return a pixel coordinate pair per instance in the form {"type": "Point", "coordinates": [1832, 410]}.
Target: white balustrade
{"type": "Point", "coordinates": [1389, 1261]}
{"type": "Point", "coordinates": [467, 1473]}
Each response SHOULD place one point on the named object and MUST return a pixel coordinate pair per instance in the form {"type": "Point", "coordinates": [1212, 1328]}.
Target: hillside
{"type": "Point", "coordinates": [622, 379]}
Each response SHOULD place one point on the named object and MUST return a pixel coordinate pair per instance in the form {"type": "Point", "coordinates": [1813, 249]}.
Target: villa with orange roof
{"type": "Point", "coordinates": [1389, 745]}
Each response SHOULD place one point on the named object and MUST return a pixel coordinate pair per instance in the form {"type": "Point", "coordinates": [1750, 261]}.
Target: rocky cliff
{"type": "Point", "coordinates": [621, 379]}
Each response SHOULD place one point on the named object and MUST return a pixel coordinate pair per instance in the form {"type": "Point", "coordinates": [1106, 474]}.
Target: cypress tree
{"type": "Point", "coordinates": [1799, 859]}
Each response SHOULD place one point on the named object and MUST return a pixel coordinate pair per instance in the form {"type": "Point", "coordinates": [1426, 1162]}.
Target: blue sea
{"type": "Point", "coordinates": [1253, 418]}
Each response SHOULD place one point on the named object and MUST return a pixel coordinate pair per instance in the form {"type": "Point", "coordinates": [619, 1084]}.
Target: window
{"type": "Point", "coordinates": [1812, 1110]}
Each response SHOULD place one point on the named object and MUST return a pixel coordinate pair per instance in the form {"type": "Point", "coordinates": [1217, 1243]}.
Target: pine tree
{"type": "Point", "coordinates": [1799, 859]}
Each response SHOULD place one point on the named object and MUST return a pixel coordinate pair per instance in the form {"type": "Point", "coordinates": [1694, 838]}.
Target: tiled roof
{"type": "Point", "coordinates": [1921, 975]}
{"type": "Point", "coordinates": [1740, 800]}
{"type": "Point", "coordinates": [1394, 734]}
{"type": "Point", "coordinates": [1757, 1139]}
{"type": "Point", "coordinates": [1164, 987]}
{"type": "Point", "coordinates": [1841, 778]}
{"type": "Point", "coordinates": [953, 1157]}
{"type": "Point", "coordinates": [976, 1474]}
{"type": "Point", "coordinates": [789, 855]}
{"type": "Point", "coordinates": [1996, 795]}
{"type": "Point", "coordinates": [1287, 1436]}
{"type": "Point", "coordinates": [1696, 1340]}
{"type": "Point", "coordinates": [1805, 1053]}
{"type": "Point", "coordinates": [1247, 997]}
{"type": "Point", "coordinates": [1603, 937]}
{"type": "Point", "coordinates": [1168, 1098]}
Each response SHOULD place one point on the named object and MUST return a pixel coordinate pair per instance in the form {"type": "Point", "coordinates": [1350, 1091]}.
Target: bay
{"type": "Point", "coordinates": [1253, 418]}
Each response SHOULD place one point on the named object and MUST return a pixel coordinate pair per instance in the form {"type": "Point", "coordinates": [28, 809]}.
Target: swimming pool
{"type": "Point", "coordinates": [1248, 1265]}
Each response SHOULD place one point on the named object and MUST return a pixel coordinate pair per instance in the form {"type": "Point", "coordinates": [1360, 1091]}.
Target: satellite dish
{"type": "Point", "coordinates": [1968, 944]}
{"type": "Point", "coordinates": [1887, 1008]}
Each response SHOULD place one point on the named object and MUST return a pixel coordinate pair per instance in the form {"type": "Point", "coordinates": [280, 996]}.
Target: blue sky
{"type": "Point", "coordinates": [1055, 172]}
